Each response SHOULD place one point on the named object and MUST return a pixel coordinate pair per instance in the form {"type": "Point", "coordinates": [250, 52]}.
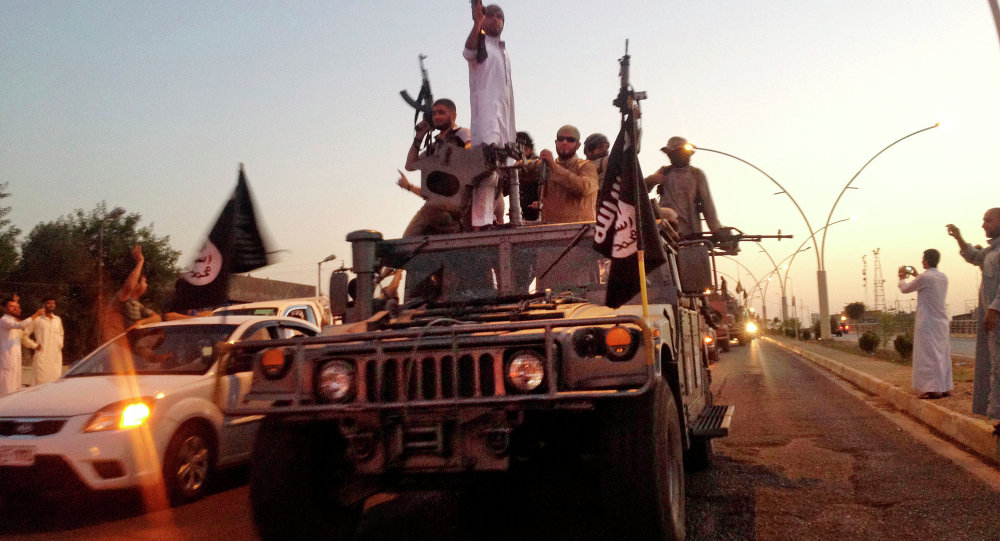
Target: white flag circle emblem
{"type": "Point", "coordinates": [206, 266]}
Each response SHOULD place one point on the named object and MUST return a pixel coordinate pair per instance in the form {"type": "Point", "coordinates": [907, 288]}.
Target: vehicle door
{"type": "Point", "coordinates": [238, 432]}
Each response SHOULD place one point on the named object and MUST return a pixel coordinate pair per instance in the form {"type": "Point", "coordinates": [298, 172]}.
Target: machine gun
{"type": "Point", "coordinates": [425, 100]}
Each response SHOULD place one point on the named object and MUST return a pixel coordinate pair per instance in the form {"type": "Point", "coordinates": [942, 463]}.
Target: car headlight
{"type": "Point", "coordinates": [621, 343]}
{"type": "Point", "coordinates": [525, 370]}
{"type": "Point", "coordinates": [335, 381]}
{"type": "Point", "coordinates": [708, 339]}
{"type": "Point", "coordinates": [121, 415]}
{"type": "Point", "coordinates": [751, 327]}
{"type": "Point", "coordinates": [275, 362]}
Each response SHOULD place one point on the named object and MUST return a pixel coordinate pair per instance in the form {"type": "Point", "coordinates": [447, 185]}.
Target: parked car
{"type": "Point", "coordinates": [141, 410]}
{"type": "Point", "coordinates": [315, 310]}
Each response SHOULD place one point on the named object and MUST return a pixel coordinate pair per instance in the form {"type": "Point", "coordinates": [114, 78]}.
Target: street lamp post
{"type": "Point", "coordinates": [319, 289]}
{"type": "Point", "coordinates": [824, 308]}
{"type": "Point", "coordinates": [824, 302]}
{"type": "Point", "coordinates": [113, 215]}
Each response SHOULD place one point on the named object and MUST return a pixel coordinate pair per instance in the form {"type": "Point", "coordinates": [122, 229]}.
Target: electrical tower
{"type": "Point", "coordinates": [878, 282]}
{"type": "Point", "coordinates": [864, 276]}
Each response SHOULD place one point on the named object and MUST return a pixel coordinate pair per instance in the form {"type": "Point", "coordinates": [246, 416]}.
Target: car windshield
{"type": "Point", "coordinates": [267, 311]}
{"type": "Point", "coordinates": [171, 349]}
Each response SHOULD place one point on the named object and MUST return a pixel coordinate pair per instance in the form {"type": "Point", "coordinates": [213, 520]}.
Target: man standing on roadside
{"type": "Point", "coordinates": [48, 332]}
{"type": "Point", "coordinates": [10, 345]}
{"type": "Point", "coordinates": [986, 381]}
{"type": "Point", "coordinates": [931, 337]}
{"type": "Point", "coordinates": [492, 98]}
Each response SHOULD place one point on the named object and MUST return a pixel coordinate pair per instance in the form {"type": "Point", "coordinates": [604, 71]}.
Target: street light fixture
{"type": "Point", "coordinates": [319, 289]}
{"type": "Point", "coordinates": [821, 286]}
{"type": "Point", "coordinates": [319, 265]}
{"type": "Point", "coordinates": [114, 214]}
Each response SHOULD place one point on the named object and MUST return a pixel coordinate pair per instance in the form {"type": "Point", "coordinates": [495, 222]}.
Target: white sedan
{"type": "Point", "coordinates": [140, 411]}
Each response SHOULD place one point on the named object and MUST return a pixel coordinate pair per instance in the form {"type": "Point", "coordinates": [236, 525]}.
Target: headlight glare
{"type": "Point", "coordinates": [751, 326]}
{"type": "Point", "coordinates": [335, 381]}
{"type": "Point", "coordinates": [525, 371]}
{"type": "Point", "coordinates": [121, 415]}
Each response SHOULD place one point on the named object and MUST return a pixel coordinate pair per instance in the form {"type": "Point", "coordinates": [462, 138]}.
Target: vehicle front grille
{"type": "Point", "coordinates": [431, 376]}
{"type": "Point", "coordinates": [30, 427]}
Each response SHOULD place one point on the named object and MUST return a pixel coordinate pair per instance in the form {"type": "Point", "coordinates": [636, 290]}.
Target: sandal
{"type": "Point", "coordinates": [929, 396]}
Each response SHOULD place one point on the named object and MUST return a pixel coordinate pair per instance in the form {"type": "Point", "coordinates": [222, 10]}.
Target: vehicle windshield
{"type": "Point", "coordinates": [175, 349]}
{"type": "Point", "coordinates": [266, 311]}
{"type": "Point", "coordinates": [520, 265]}
{"type": "Point", "coordinates": [476, 273]}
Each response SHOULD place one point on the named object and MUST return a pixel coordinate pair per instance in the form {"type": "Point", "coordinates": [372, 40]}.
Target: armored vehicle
{"type": "Point", "coordinates": [500, 355]}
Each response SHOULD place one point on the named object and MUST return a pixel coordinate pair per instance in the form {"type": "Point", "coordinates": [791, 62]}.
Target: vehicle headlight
{"type": "Point", "coordinates": [751, 327]}
{"type": "Point", "coordinates": [525, 370]}
{"type": "Point", "coordinates": [121, 415]}
{"type": "Point", "coordinates": [335, 381]}
{"type": "Point", "coordinates": [708, 340]}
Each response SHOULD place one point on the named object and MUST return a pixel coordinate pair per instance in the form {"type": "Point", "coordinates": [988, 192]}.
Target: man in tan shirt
{"type": "Point", "coordinates": [570, 193]}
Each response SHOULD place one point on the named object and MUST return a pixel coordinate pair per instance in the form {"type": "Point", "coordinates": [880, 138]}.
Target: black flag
{"type": "Point", "coordinates": [625, 222]}
{"type": "Point", "coordinates": [234, 245]}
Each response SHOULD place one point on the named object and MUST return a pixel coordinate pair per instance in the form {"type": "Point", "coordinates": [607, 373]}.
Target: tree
{"type": "Point", "coordinates": [8, 238]}
{"type": "Point", "coordinates": [60, 258]}
{"type": "Point", "coordinates": [855, 310]}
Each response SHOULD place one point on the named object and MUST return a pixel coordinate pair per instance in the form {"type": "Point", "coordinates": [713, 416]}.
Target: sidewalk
{"type": "Point", "coordinates": [951, 416]}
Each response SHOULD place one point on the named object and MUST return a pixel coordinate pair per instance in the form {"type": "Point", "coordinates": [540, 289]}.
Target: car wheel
{"type": "Point", "coordinates": [188, 464]}
{"type": "Point", "coordinates": [301, 484]}
{"type": "Point", "coordinates": [642, 467]}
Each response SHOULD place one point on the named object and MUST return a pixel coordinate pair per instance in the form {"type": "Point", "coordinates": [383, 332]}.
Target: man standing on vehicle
{"type": "Point", "coordinates": [491, 95]}
{"type": "Point", "coordinates": [986, 380]}
{"type": "Point", "coordinates": [595, 148]}
{"type": "Point", "coordinates": [683, 190]}
{"type": "Point", "coordinates": [10, 345]}
{"type": "Point", "coordinates": [931, 337]}
{"type": "Point", "coordinates": [571, 188]}
{"type": "Point", "coordinates": [431, 220]}
{"type": "Point", "coordinates": [48, 331]}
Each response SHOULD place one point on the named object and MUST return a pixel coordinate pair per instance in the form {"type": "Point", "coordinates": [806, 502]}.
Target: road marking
{"type": "Point", "coordinates": [944, 447]}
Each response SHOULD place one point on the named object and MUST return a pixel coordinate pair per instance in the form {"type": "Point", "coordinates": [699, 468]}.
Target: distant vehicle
{"type": "Point", "coordinates": [841, 329]}
{"type": "Point", "coordinates": [315, 310]}
{"type": "Point", "coordinates": [139, 411]}
{"type": "Point", "coordinates": [747, 331]}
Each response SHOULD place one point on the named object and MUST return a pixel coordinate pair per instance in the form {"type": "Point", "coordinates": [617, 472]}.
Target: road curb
{"type": "Point", "coordinates": [975, 434]}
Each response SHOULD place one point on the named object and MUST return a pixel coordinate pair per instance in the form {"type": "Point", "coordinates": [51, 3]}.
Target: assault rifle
{"type": "Point", "coordinates": [424, 102]}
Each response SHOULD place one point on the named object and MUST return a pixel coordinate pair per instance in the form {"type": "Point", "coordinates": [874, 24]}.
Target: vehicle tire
{"type": "Point", "coordinates": [642, 469]}
{"type": "Point", "coordinates": [188, 464]}
{"type": "Point", "coordinates": [295, 475]}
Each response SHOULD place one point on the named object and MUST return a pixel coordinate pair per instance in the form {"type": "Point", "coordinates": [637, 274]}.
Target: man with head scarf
{"type": "Point", "coordinates": [931, 339]}
{"type": "Point", "coordinates": [595, 148]}
{"type": "Point", "coordinates": [684, 190]}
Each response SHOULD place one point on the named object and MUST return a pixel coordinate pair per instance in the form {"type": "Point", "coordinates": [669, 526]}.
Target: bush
{"type": "Point", "coordinates": [789, 332]}
{"type": "Point", "coordinates": [869, 341]}
{"type": "Point", "coordinates": [804, 334]}
{"type": "Point", "coordinates": [904, 346]}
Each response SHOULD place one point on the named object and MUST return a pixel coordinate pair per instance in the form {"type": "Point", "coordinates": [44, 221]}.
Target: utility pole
{"type": "Point", "coordinates": [864, 275]}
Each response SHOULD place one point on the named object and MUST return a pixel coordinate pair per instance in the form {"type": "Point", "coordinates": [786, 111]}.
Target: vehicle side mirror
{"type": "Point", "coordinates": [694, 266]}
{"type": "Point", "coordinates": [338, 294]}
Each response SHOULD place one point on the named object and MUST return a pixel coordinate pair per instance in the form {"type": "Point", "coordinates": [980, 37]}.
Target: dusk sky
{"type": "Point", "coordinates": [152, 106]}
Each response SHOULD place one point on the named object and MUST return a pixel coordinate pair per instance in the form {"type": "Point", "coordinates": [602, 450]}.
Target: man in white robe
{"type": "Point", "coordinates": [46, 363]}
{"type": "Point", "coordinates": [986, 380]}
{"type": "Point", "coordinates": [931, 335]}
{"type": "Point", "coordinates": [11, 330]}
{"type": "Point", "coordinates": [491, 95]}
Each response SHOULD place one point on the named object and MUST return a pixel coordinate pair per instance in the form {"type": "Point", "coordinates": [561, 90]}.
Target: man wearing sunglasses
{"type": "Point", "coordinates": [492, 98]}
{"type": "Point", "coordinates": [570, 192]}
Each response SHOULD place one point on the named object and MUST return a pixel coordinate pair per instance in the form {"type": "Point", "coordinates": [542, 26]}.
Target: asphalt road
{"type": "Point", "coordinates": [806, 459]}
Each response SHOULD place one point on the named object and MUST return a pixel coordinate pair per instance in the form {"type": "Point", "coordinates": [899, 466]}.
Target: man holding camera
{"type": "Point", "coordinates": [931, 337]}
